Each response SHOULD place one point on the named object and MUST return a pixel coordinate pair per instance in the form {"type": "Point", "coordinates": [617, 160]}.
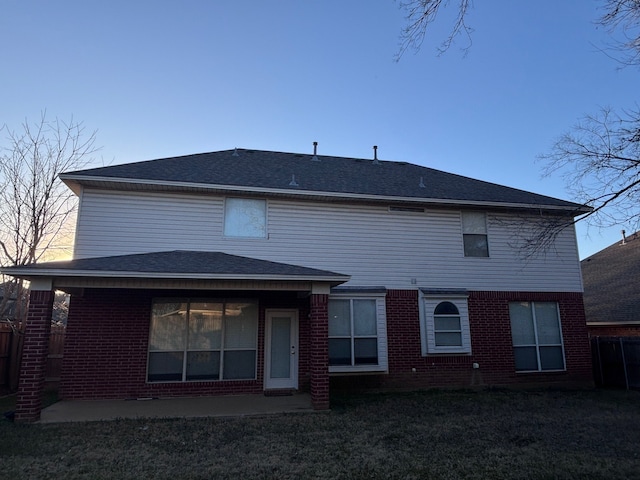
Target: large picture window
{"type": "Point", "coordinates": [357, 334]}
{"type": "Point", "coordinates": [537, 336]}
{"type": "Point", "coordinates": [202, 339]}
{"type": "Point", "coordinates": [245, 217]}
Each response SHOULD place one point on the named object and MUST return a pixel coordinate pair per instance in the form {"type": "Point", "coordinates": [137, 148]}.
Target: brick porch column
{"type": "Point", "coordinates": [34, 356]}
{"type": "Point", "coordinates": [319, 361]}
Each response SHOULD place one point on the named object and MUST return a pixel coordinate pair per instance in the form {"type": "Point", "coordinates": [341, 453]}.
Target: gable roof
{"type": "Point", "coordinates": [177, 264]}
{"type": "Point", "coordinates": [610, 277]}
{"type": "Point", "coordinates": [311, 176]}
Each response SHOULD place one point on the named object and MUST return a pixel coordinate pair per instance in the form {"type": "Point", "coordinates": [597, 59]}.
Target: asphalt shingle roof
{"type": "Point", "coordinates": [300, 173]}
{"type": "Point", "coordinates": [611, 288]}
{"type": "Point", "coordinates": [178, 262]}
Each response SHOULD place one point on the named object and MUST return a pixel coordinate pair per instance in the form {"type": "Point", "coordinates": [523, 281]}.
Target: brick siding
{"type": "Point", "coordinates": [614, 330]}
{"type": "Point", "coordinates": [105, 351]}
{"type": "Point", "coordinates": [491, 346]}
{"type": "Point", "coordinates": [34, 356]}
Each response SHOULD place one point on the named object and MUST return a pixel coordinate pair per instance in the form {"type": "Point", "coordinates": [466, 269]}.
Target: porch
{"type": "Point", "coordinates": [180, 407]}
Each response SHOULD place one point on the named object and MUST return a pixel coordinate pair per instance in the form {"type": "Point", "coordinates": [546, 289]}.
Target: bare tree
{"type": "Point", "coordinates": [622, 19]}
{"type": "Point", "coordinates": [600, 162]}
{"type": "Point", "coordinates": [600, 157]}
{"type": "Point", "coordinates": [421, 14]}
{"type": "Point", "coordinates": [34, 205]}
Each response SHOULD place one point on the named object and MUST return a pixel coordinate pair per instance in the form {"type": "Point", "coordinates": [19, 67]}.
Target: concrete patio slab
{"type": "Point", "coordinates": [223, 406]}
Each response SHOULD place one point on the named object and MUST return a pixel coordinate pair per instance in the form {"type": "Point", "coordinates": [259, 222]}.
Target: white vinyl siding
{"type": "Point", "coordinates": [372, 244]}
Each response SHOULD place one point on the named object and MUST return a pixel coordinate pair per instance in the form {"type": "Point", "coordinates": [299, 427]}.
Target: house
{"type": "Point", "coordinates": [250, 272]}
{"type": "Point", "coordinates": [611, 293]}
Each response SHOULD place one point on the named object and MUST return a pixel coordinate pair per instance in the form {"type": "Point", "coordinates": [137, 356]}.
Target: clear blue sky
{"type": "Point", "coordinates": [163, 78]}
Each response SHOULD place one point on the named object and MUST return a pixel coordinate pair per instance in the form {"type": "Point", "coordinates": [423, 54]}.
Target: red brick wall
{"type": "Point", "coordinates": [34, 356]}
{"type": "Point", "coordinates": [491, 346]}
{"type": "Point", "coordinates": [105, 351]}
{"type": "Point", "coordinates": [319, 352]}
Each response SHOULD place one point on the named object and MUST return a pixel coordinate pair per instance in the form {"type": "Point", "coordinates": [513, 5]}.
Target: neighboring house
{"type": "Point", "coordinates": [244, 271]}
{"type": "Point", "coordinates": [611, 291]}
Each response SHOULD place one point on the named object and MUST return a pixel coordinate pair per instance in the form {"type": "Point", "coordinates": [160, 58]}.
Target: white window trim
{"type": "Point", "coordinates": [381, 324]}
{"type": "Point", "coordinates": [428, 303]}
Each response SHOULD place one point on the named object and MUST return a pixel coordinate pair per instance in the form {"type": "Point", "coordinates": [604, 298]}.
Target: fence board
{"type": "Point", "coordinates": [616, 361]}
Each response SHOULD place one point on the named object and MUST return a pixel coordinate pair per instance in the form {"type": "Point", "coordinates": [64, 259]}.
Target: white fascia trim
{"type": "Point", "coordinates": [28, 273]}
{"type": "Point", "coordinates": [307, 193]}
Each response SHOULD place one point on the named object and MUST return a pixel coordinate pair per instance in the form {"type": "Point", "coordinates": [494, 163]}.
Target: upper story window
{"type": "Point", "coordinates": [474, 234]}
{"type": "Point", "coordinates": [537, 336]}
{"type": "Point", "coordinates": [446, 326]}
{"type": "Point", "coordinates": [357, 333]}
{"type": "Point", "coordinates": [245, 217]}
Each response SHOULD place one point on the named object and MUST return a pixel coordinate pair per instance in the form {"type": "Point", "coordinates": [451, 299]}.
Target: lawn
{"type": "Point", "coordinates": [437, 434]}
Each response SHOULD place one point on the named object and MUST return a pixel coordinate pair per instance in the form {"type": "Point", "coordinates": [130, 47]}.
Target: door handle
{"type": "Point", "coordinates": [293, 350]}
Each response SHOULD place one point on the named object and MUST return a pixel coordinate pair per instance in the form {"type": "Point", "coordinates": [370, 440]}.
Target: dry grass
{"type": "Point", "coordinates": [441, 435]}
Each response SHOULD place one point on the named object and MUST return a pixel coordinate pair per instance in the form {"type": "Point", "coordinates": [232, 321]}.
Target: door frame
{"type": "Point", "coordinates": [292, 382]}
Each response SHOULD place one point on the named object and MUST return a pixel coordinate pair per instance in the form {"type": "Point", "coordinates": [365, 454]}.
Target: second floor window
{"type": "Point", "coordinates": [245, 217]}
{"type": "Point", "coordinates": [474, 234]}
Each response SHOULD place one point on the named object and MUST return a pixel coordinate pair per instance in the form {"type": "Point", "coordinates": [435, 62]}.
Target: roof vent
{"type": "Point", "coordinates": [315, 151]}
{"type": "Point", "coordinates": [422, 185]}
{"type": "Point", "coordinates": [293, 182]}
{"type": "Point", "coordinates": [375, 155]}
{"type": "Point", "coordinates": [624, 237]}
{"type": "Point", "coordinates": [235, 152]}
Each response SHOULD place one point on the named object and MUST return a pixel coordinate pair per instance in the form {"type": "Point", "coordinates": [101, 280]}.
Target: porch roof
{"type": "Point", "coordinates": [175, 265]}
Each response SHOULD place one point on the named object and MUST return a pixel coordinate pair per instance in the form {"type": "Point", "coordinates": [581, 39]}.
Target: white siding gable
{"type": "Point", "coordinates": [374, 245]}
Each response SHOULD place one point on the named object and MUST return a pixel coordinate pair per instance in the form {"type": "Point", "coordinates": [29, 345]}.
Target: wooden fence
{"type": "Point", "coordinates": [616, 361]}
{"type": "Point", "coordinates": [11, 351]}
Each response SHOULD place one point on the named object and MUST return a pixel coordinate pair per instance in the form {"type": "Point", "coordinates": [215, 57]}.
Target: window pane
{"type": "Point", "coordinates": [205, 326]}
{"type": "Point", "coordinates": [203, 365]}
{"type": "Point", "coordinates": [525, 358]}
{"type": "Point", "coordinates": [446, 308]}
{"type": "Point", "coordinates": [521, 324]}
{"type": "Point", "coordinates": [280, 347]}
{"type": "Point", "coordinates": [365, 351]}
{"type": "Point", "coordinates": [241, 325]}
{"type": "Point", "coordinates": [339, 351]}
{"type": "Point", "coordinates": [447, 323]}
{"type": "Point", "coordinates": [165, 366]}
{"type": "Point", "coordinates": [339, 318]}
{"type": "Point", "coordinates": [364, 317]}
{"type": "Point", "coordinates": [244, 217]}
{"type": "Point", "coordinates": [475, 245]}
{"type": "Point", "coordinates": [448, 339]}
{"type": "Point", "coordinates": [551, 358]}
{"type": "Point", "coordinates": [547, 323]}
{"type": "Point", "coordinates": [240, 364]}
{"type": "Point", "coordinates": [168, 326]}
{"type": "Point", "coordinates": [474, 222]}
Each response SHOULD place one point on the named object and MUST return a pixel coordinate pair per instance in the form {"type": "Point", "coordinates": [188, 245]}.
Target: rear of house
{"type": "Point", "coordinates": [247, 271]}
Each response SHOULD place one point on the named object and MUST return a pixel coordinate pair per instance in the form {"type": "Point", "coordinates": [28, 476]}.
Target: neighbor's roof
{"type": "Point", "coordinates": [611, 292]}
{"type": "Point", "coordinates": [305, 175]}
{"type": "Point", "coordinates": [177, 264]}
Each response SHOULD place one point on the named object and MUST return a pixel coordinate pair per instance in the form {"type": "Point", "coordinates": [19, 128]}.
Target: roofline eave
{"type": "Point", "coordinates": [31, 274]}
{"type": "Point", "coordinates": [74, 181]}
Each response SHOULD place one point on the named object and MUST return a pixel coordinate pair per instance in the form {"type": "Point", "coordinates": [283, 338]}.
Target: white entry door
{"type": "Point", "coordinates": [281, 349]}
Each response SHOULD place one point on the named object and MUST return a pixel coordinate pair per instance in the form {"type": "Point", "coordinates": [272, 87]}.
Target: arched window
{"type": "Point", "coordinates": [447, 326]}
